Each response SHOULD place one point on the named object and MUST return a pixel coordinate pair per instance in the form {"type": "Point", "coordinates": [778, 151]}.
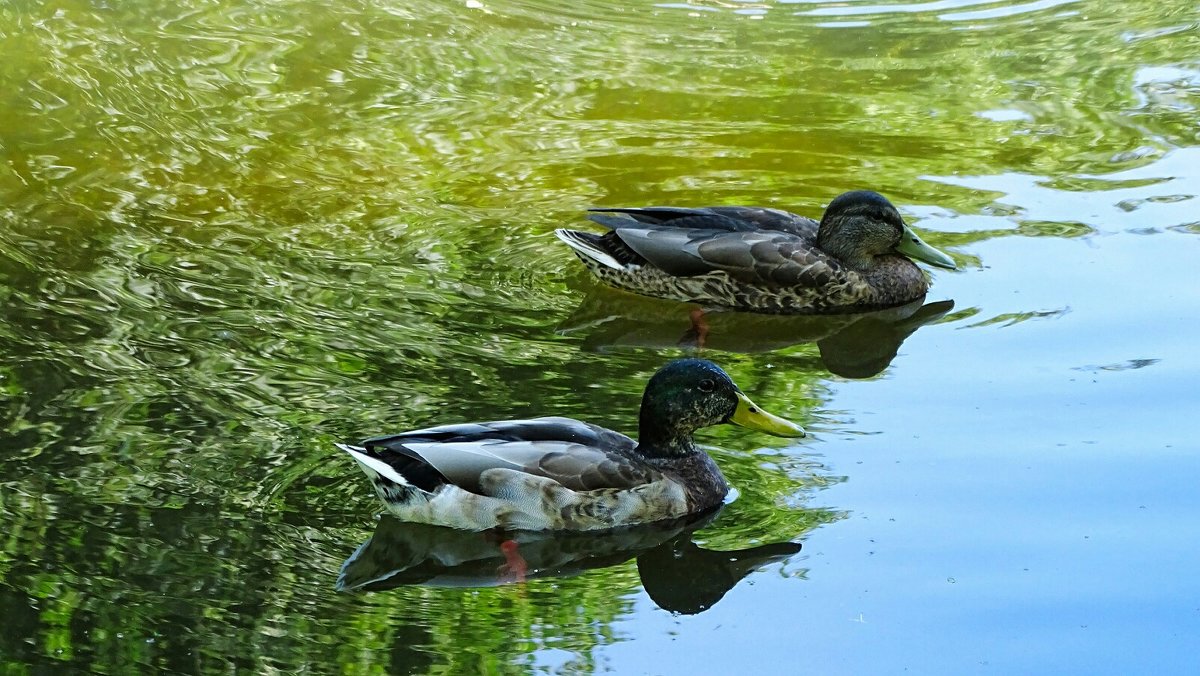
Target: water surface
{"type": "Point", "coordinates": [234, 232]}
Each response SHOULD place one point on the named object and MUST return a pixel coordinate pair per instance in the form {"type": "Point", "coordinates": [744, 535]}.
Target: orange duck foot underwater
{"type": "Point", "coordinates": [763, 260]}
{"type": "Point", "coordinates": [563, 474]}
{"type": "Point", "coordinates": [515, 567]}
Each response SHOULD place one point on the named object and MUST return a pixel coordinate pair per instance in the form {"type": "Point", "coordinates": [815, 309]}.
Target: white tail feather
{"type": "Point", "coordinates": [377, 466]}
{"type": "Point", "coordinates": [586, 248]}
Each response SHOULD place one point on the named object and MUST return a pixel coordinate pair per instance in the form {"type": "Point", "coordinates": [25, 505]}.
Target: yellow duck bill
{"type": "Point", "coordinates": [748, 414]}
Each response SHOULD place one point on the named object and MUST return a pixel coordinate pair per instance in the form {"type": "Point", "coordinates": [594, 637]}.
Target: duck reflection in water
{"type": "Point", "coordinates": [858, 345]}
{"type": "Point", "coordinates": [677, 574]}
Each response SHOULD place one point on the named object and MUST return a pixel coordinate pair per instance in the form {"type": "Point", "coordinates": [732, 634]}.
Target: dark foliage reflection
{"type": "Point", "coordinates": [851, 345]}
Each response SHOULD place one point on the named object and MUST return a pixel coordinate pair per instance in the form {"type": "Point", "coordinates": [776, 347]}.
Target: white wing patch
{"type": "Point", "coordinates": [370, 464]}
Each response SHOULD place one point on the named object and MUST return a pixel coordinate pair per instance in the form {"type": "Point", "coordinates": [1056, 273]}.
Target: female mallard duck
{"type": "Point", "coordinates": [563, 474]}
{"type": "Point", "coordinates": [764, 260]}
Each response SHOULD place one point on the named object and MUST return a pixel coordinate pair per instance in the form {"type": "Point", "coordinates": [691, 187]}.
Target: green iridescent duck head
{"type": "Point", "coordinates": [688, 394]}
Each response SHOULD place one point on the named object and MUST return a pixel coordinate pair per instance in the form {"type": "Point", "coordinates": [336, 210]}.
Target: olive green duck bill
{"type": "Point", "coordinates": [915, 248]}
{"type": "Point", "coordinates": [748, 414]}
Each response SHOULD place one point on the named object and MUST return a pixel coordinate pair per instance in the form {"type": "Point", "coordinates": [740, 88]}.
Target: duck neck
{"type": "Point", "coordinates": [837, 239]}
{"type": "Point", "coordinates": [658, 437]}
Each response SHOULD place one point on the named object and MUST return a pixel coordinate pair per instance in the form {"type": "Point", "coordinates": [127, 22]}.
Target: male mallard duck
{"type": "Point", "coordinates": [563, 474]}
{"type": "Point", "coordinates": [759, 259]}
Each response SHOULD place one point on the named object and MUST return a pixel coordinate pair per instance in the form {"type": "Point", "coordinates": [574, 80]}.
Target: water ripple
{"type": "Point", "coordinates": [1163, 194]}
{"type": "Point", "coordinates": [233, 231]}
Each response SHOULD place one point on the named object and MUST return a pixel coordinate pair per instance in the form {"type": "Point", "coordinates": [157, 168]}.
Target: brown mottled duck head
{"type": "Point", "coordinates": [860, 225]}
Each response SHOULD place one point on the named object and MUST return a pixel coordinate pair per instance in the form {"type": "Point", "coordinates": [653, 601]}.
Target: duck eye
{"type": "Point", "coordinates": [707, 385]}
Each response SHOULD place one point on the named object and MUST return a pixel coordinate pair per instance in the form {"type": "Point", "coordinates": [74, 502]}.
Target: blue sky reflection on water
{"type": "Point", "coordinates": [1021, 492]}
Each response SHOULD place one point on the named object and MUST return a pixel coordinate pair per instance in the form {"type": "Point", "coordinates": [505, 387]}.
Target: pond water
{"type": "Point", "coordinates": [233, 232]}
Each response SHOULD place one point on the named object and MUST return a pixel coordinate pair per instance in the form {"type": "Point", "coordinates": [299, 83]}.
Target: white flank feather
{"type": "Point", "coordinates": [588, 249]}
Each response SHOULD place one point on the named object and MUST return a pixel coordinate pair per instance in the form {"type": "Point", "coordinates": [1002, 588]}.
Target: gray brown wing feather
{"type": "Point", "coordinates": [595, 469]}
{"type": "Point", "coordinates": [774, 257]}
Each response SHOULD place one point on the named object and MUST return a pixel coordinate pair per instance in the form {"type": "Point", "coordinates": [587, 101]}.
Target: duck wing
{"type": "Point", "coordinates": [778, 220]}
{"type": "Point", "coordinates": [577, 455]}
{"type": "Point", "coordinates": [732, 219]}
{"type": "Point", "coordinates": [759, 256]}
